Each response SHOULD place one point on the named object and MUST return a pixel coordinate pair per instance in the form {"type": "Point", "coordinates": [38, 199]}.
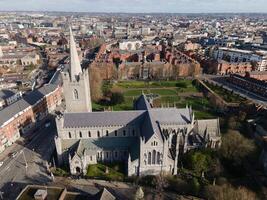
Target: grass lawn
{"type": "Point", "coordinates": [162, 92]}
{"type": "Point", "coordinates": [182, 83]}
{"type": "Point", "coordinates": [115, 171]}
{"type": "Point", "coordinates": [171, 93]}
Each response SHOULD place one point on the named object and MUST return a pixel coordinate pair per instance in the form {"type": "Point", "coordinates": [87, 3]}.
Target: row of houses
{"type": "Point", "coordinates": [21, 116]}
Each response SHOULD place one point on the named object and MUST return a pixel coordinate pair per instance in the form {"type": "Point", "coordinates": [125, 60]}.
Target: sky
{"type": "Point", "coordinates": [146, 6]}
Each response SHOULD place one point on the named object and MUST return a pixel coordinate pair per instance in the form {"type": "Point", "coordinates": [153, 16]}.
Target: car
{"type": "Point", "coordinates": [1, 163]}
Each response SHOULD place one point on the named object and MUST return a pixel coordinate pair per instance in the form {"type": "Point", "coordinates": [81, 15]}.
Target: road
{"type": "Point", "coordinates": [14, 173]}
{"type": "Point", "coordinates": [218, 80]}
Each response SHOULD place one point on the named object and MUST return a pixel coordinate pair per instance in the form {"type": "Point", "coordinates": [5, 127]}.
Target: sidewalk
{"type": "Point", "coordinates": [92, 182]}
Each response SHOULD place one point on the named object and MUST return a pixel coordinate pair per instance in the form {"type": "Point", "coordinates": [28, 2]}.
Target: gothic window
{"type": "Point", "coordinates": [69, 134]}
{"type": "Point", "coordinates": [124, 132]}
{"type": "Point", "coordinates": [98, 134]}
{"type": "Point", "coordinates": [116, 133]}
{"type": "Point", "coordinates": [133, 132]}
{"type": "Point", "coordinates": [107, 154]}
{"type": "Point", "coordinates": [106, 132]}
{"type": "Point", "coordinates": [91, 158]}
{"type": "Point", "coordinates": [75, 94]}
{"type": "Point", "coordinates": [89, 134]}
{"type": "Point", "coordinates": [158, 158]}
{"type": "Point", "coordinates": [149, 158]}
{"type": "Point", "coordinates": [81, 134]}
{"type": "Point", "coordinates": [154, 157]}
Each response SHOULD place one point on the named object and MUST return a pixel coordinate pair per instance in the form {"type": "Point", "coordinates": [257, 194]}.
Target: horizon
{"type": "Point", "coordinates": [136, 6]}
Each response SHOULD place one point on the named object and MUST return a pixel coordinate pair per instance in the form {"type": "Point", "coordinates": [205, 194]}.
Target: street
{"type": "Point", "coordinates": [29, 164]}
{"type": "Point", "coordinates": [218, 80]}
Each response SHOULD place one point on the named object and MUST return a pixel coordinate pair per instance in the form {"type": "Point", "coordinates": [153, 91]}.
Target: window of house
{"type": "Point", "coordinates": [91, 158]}
{"type": "Point", "coordinates": [89, 134]}
{"type": "Point", "coordinates": [158, 158]}
{"type": "Point", "coordinates": [81, 134]}
{"type": "Point", "coordinates": [154, 157]}
{"type": "Point", "coordinates": [69, 134]}
{"type": "Point", "coordinates": [106, 132]}
{"type": "Point", "coordinates": [116, 154]}
{"type": "Point", "coordinates": [116, 133]}
{"type": "Point", "coordinates": [107, 154]}
{"type": "Point", "coordinates": [75, 94]}
{"type": "Point", "coordinates": [149, 158]}
{"type": "Point", "coordinates": [98, 134]}
{"type": "Point", "coordinates": [124, 132]}
{"type": "Point", "coordinates": [133, 132]}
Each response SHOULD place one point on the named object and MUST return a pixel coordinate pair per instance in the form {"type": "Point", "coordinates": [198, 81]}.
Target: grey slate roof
{"type": "Point", "coordinates": [26, 101]}
{"type": "Point", "coordinates": [168, 116]}
{"type": "Point", "coordinates": [90, 146]}
{"type": "Point", "coordinates": [100, 119]}
{"type": "Point", "coordinates": [147, 118]}
{"type": "Point", "coordinates": [142, 104]}
{"type": "Point", "coordinates": [4, 94]}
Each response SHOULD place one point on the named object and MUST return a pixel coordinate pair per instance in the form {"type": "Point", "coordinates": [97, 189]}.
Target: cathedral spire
{"type": "Point", "coordinates": [75, 65]}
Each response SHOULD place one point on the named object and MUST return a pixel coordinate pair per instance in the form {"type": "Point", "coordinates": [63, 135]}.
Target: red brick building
{"type": "Point", "coordinates": [20, 117]}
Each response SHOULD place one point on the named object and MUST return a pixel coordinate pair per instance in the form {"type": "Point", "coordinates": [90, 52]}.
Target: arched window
{"type": "Point", "coordinates": [154, 157]}
{"type": "Point", "coordinates": [133, 132]}
{"type": "Point", "coordinates": [158, 158]}
{"type": "Point", "coordinates": [116, 133]}
{"type": "Point", "coordinates": [89, 134]}
{"type": "Point", "coordinates": [81, 134]}
{"type": "Point", "coordinates": [106, 132]}
{"type": "Point", "coordinates": [124, 132]}
{"type": "Point", "coordinates": [69, 135]}
{"type": "Point", "coordinates": [98, 134]}
{"type": "Point", "coordinates": [75, 94]}
{"type": "Point", "coordinates": [149, 158]}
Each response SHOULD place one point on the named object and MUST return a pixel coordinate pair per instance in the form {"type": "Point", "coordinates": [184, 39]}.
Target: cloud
{"type": "Point", "coordinates": [178, 6]}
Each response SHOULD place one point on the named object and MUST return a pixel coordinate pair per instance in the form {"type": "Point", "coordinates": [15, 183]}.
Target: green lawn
{"type": "Point", "coordinates": [182, 83]}
{"type": "Point", "coordinates": [115, 171]}
{"type": "Point", "coordinates": [171, 93]}
{"type": "Point", "coordinates": [162, 92]}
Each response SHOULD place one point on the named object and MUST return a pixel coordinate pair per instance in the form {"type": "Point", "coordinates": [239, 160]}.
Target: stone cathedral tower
{"type": "Point", "coordinates": [76, 86]}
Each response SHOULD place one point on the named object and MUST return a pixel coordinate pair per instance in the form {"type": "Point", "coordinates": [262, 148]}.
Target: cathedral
{"type": "Point", "coordinates": [147, 140]}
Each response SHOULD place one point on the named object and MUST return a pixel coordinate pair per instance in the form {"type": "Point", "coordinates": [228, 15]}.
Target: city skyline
{"type": "Point", "coordinates": [137, 6]}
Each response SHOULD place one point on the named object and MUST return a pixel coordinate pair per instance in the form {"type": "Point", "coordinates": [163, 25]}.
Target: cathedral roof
{"type": "Point", "coordinates": [101, 119]}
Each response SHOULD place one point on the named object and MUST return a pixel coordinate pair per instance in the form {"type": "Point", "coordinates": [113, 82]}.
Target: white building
{"type": "Point", "coordinates": [130, 45]}
{"type": "Point", "coordinates": [236, 55]}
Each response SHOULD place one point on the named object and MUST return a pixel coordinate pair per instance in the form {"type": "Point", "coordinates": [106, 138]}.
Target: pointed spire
{"type": "Point", "coordinates": [75, 65]}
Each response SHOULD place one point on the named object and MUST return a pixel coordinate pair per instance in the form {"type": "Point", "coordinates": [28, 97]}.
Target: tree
{"type": "Point", "coordinates": [198, 161]}
{"type": "Point", "coordinates": [235, 148]}
{"type": "Point", "coordinates": [228, 192]}
{"type": "Point", "coordinates": [95, 84]}
{"type": "Point", "coordinates": [116, 98]}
